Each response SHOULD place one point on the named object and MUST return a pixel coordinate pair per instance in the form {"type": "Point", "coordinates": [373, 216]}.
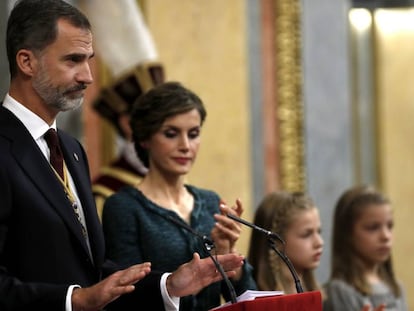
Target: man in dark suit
{"type": "Point", "coordinates": [51, 243]}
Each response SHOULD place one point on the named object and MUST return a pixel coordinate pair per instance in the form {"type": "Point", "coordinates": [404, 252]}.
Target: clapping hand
{"type": "Point", "coordinates": [226, 231]}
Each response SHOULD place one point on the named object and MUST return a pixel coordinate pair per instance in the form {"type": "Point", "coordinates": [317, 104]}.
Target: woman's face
{"type": "Point", "coordinates": [303, 239]}
{"type": "Point", "coordinates": [372, 233]}
{"type": "Point", "coordinates": [174, 147]}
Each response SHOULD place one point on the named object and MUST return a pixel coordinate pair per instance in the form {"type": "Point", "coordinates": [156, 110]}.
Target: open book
{"type": "Point", "coordinates": [251, 295]}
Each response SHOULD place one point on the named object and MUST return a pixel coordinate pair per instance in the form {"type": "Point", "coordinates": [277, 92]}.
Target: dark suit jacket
{"type": "Point", "coordinates": [42, 250]}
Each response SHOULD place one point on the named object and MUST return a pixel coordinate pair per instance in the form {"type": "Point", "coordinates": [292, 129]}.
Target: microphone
{"type": "Point", "coordinates": [271, 237]}
{"type": "Point", "coordinates": [208, 246]}
{"type": "Point", "coordinates": [269, 234]}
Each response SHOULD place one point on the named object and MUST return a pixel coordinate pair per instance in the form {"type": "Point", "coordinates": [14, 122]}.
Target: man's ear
{"type": "Point", "coordinates": [26, 61]}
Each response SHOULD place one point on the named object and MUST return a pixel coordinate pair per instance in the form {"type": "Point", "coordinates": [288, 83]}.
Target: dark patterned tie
{"type": "Point", "coordinates": [56, 160]}
{"type": "Point", "coordinates": [56, 156]}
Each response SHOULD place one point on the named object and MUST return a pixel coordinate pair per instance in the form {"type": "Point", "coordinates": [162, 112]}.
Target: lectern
{"type": "Point", "coordinates": [308, 301]}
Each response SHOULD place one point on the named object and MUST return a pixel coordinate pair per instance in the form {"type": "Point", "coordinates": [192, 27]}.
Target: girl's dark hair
{"type": "Point", "coordinates": [154, 107]}
{"type": "Point", "coordinates": [32, 25]}
{"type": "Point", "coordinates": [346, 265]}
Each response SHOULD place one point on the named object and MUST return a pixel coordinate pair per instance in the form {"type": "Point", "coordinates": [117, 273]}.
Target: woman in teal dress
{"type": "Point", "coordinates": [137, 221]}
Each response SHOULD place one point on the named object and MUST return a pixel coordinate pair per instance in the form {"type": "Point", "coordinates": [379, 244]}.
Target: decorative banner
{"type": "Point", "coordinates": [123, 41]}
{"type": "Point", "coordinates": [120, 34]}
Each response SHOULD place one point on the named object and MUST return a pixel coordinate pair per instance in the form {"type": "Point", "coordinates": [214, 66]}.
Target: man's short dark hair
{"type": "Point", "coordinates": [32, 25]}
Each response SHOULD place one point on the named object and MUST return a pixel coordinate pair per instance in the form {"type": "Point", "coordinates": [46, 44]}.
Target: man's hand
{"type": "Point", "coordinates": [99, 295]}
{"type": "Point", "coordinates": [193, 276]}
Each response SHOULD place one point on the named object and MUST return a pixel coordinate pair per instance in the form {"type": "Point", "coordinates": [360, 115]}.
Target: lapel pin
{"type": "Point", "coordinates": [76, 157]}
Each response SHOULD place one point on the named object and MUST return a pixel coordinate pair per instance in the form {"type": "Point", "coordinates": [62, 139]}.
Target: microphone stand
{"type": "Point", "coordinates": [208, 246]}
{"type": "Point", "coordinates": [288, 263]}
{"type": "Point", "coordinates": [271, 237]}
{"type": "Point", "coordinates": [269, 234]}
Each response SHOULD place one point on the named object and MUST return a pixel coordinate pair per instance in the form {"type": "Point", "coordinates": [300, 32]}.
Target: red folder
{"type": "Point", "coordinates": [308, 301]}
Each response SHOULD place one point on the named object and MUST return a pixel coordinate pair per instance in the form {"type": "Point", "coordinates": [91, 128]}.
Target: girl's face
{"type": "Point", "coordinates": [372, 233]}
{"type": "Point", "coordinates": [303, 239]}
{"type": "Point", "coordinates": [173, 148]}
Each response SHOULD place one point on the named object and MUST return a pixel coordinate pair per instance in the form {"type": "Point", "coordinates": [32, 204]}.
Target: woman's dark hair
{"type": "Point", "coordinates": [154, 107]}
{"type": "Point", "coordinates": [32, 25]}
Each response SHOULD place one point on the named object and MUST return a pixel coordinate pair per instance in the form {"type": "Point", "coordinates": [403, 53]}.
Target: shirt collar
{"type": "Point", "coordinates": [34, 124]}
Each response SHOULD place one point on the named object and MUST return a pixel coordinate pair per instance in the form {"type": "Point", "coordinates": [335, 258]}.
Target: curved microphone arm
{"type": "Point", "coordinates": [288, 263]}
{"type": "Point", "coordinates": [269, 234]}
{"type": "Point", "coordinates": [271, 237]}
{"type": "Point", "coordinates": [208, 245]}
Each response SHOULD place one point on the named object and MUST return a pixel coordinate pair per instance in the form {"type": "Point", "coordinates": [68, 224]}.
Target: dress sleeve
{"type": "Point", "coordinates": [402, 300]}
{"type": "Point", "coordinates": [246, 282]}
{"type": "Point", "coordinates": [121, 231]}
{"type": "Point", "coordinates": [342, 297]}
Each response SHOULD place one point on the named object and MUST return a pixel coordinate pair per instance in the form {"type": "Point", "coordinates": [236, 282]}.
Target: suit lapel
{"type": "Point", "coordinates": [35, 165]}
{"type": "Point", "coordinates": [40, 172]}
{"type": "Point", "coordinates": [76, 162]}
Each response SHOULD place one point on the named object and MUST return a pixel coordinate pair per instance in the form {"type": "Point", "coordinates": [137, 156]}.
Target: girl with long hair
{"type": "Point", "coordinates": [362, 271]}
{"type": "Point", "coordinates": [295, 218]}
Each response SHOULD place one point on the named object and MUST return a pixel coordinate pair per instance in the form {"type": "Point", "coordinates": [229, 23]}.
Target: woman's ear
{"type": "Point", "coordinates": [26, 61]}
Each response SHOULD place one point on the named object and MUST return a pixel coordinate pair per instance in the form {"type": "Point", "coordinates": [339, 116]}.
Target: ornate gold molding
{"type": "Point", "coordinates": [289, 94]}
